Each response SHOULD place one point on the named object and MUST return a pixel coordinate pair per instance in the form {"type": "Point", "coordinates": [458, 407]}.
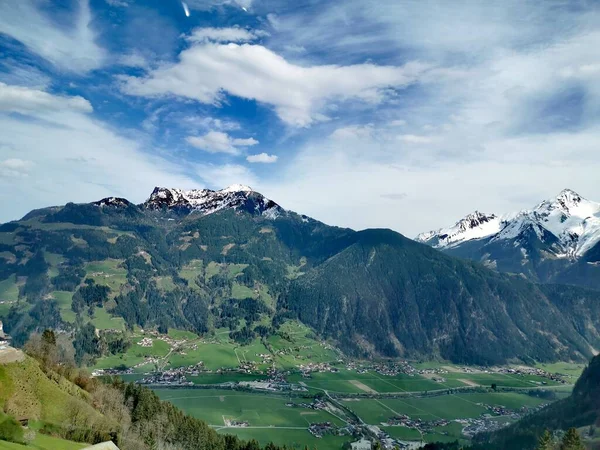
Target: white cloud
{"type": "Point", "coordinates": [220, 176]}
{"type": "Point", "coordinates": [360, 174]}
{"type": "Point", "coordinates": [264, 158]}
{"type": "Point", "coordinates": [72, 49]}
{"type": "Point", "coordinates": [14, 167]}
{"type": "Point", "coordinates": [119, 3]}
{"type": "Point", "coordinates": [220, 142]}
{"type": "Point", "coordinates": [208, 4]}
{"type": "Point", "coordinates": [66, 155]}
{"type": "Point", "coordinates": [232, 34]}
{"type": "Point", "coordinates": [23, 75]}
{"type": "Point", "coordinates": [25, 100]}
{"type": "Point", "coordinates": [297, 93]}
{"type": "Point", "coordinates": [415, 139]}
{"type": "Point", "coordinates": [133, 60]}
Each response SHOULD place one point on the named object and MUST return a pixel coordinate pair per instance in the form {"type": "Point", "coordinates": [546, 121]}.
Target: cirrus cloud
{"type": "Point", "coordinates": [263, 158]}
{"type": "Point", "coordinates": [220, 142]}
{"type": "Point", "coordinates": [297, 93]}
{"type": "Point", "coordinates": [22, 100]}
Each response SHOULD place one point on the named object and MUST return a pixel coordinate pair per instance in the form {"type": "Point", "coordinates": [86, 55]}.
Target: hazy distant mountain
{"type": "Point", "coordinates": [556, 241]}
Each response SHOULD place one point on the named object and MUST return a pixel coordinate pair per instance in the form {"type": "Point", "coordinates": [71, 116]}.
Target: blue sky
{"type": "Point", "coordinates": [398, 114]}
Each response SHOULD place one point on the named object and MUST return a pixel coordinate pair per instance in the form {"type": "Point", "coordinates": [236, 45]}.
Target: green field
{"type": "Point", "coordinates": [182, 334]}
{"type": "Point", "coordinates": [458, 406]}
{"type": "Point", "coordinates": [500, 379]}
{"type": "Point", "coordinates": [218, 378]}
{"type": "Point", "coordinates": [404, 433]}
{"type": "Point", "coordinates": [191, 271]}
{"type": "Point", "coordinates": [43, 442]}
{"type": "Point", "coordinates": [108, 272]}
{"type": "Point", "coordinates": [449, 433]}
{"type": "Point", "coordinates": [571, 370]}
{"type": "Point", "coordinates": [9, 289]}
{"type": "Point", "coordinates": [294, 439]}
{"type": "Point", "coordinates": [104, 321]}
{"type": "Point", "coordinates": [165, 283]}
{"type": "Point", "coordinates": [262, 410]}
{"type": "Point", "coordinates": [344, 381]}
{"type": "Point", "coordinates": [239, 291]}
{"type": "Point", "coordinates": [134, 355]}
{"type": "Point", "coordinates": [64, 300]}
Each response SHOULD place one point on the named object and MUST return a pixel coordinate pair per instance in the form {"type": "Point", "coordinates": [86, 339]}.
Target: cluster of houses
{"type": "Point", "coordinates": [176, 376]}
{"type": "Point", "coordinates": [307, 369]}
{"type": "Point", "coordinates": [521, 371]}
{"type": "Point", "coordinates": [315, 404]}
{"type": "Point", "coordinates": [424, 426]}
{"type": "Point", "coordinates": [321, 429]}
{"type": "Point", "coordinates": [475, 426]}
{"type": "Point", "coordinates": [236, 423]}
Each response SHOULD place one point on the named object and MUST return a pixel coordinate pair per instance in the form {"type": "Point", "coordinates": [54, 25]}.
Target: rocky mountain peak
{"type": "Point", "coordinates": [568, 223]}
{"type": "Point", "coordinates": [473, 226]}
{"type": "Point", "coordinates": [115, 202]}
{"type": "Point", "coordinates": [207, 201]}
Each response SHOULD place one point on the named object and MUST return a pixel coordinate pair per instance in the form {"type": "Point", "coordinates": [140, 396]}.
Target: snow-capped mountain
{"type": "Point", "coordinates": [473, 226]}
{"type": "Point", "coordinates": [206, 201]}
{"type": "Point", "coordinates": [568, 223]}
{"type": "Point", "coordinates": [556, 241]}
{"type": "Point", "coordinates": [115, 202]}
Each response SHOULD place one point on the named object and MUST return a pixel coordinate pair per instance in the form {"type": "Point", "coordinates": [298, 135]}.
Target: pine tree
{"type": "Point", "coordinates": [571, 441]}
{"type": "Point", "coordinates": [545, 442]}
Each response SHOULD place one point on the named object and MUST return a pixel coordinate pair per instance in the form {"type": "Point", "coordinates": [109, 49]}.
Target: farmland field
{"type": "Point", "coordinates": [373, 392]}
{"type": "Point", "coordinates": [294, 439]}
{"type": "Point", "coordinates": [456, 406]}
{"type": "Point", "coordinates": [216, 406]}
{"type": "Point", "coordinates": [109, 273]}
{"type": "Point", "coordinates": [274, 421]}
{"type": "Point", "coordinates": [9, 289]}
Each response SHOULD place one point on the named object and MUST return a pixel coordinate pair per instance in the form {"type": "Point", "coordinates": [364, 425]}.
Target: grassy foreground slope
{"type": "Point", "coordinates": [27, 392]}
{"type": "Point", "coordinates": [62, 402]}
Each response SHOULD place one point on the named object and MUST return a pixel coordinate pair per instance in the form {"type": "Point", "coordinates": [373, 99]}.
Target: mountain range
{"type": "Point", "coordinates": [557, 241]}
{"type": "Point", "coordinates": [204, 260]}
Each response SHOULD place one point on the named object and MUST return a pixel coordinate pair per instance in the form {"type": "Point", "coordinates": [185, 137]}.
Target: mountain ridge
{"type": "Point", "coordinates": [374, 292]}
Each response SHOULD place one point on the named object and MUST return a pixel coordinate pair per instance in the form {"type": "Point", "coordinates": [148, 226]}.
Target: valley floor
{"type": "Point", "coordinates": [298, 391]}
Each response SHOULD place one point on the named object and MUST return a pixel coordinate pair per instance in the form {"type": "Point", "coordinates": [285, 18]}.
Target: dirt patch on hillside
{"type": "Point", "coordinates": [430, 375]}
{"type": "Point", "coordinates": [363, 387]}
{"type": "Point", "coordinates": [468, 382]}
{"type": "Point", "coordinates": [308, 413]}
{"type": "Point", "coordinates": [221, 398]}
{"type": "Point", "coordinates": [9, 355]}
{"type": "Point", "coordinates": [226, 249]}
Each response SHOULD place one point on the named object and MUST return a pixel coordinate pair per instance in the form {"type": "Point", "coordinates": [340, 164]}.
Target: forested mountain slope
{"type": "Point", "coordinates": [204, 260]}
{"type": "Point", "coordinates": [392, 295]}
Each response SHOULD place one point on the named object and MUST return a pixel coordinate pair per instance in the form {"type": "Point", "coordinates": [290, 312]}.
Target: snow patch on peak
{"type": "Point", "coordinates": [115, 202]}
{"type": "Point", "coordinates": [237, 188]}
{"type": "Point", "coordinates": [207, 201]}
{"type": "Point", "coordinates": [573, 221]}
{"type": "Point", "coordinates": [476, 225]}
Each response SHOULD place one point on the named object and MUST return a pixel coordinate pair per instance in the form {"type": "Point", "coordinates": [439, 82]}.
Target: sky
{"type": "Point", "coordinates": [402, 114]}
